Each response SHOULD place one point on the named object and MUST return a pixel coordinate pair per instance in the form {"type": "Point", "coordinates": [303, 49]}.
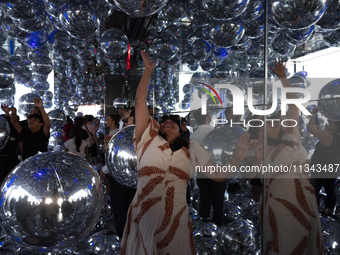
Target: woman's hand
{"type": "Point", "coordinates": [315, 110]}
{"type": "Point", "coordinates": [149, 65]}
{"type": "Point", "coordinates": [242, 147]}
{"type": "Point", "coordinates": [280, 68]}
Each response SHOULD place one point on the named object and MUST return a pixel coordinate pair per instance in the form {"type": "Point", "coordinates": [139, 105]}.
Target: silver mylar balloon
{"type": "Point", "coordinates": [9, 28]}
{"type": "Point", "coordinates": [120, 102]}
{"type": "Point", "coordinates": [297, 14]}
{"type": "Point", "coordinates": [59, 41]}
{"type": "Point", "coordinates": [329, 100]}
{"type": "Point", "coordinates": [35, 40]}
{"type": "Point", "coordinates": [227, 33]}
{"type": "Point", "coordinates": [23, 76]}
{"type": "Point", "coordinates": [26, 103]}
{"type": "Point", "coordinates": [253, 11]}
{"type": "Point", "coordinates": [42, 65]}
{"type": "Point", "coordinates": [7, 92]}
{"type": "Point", "coordinates": [221, 142]}
{"type": "Point", "coordinates": [300, 36]}
{"type": "Point", "coordinates": [136, 8]}
{"type": "Point", "coordinates": [79, 19]}
{"type": "Point", "coordinates": [198, 17]}
{"type": "Point", "coordinates": [331, 244]}
{"type": "Point", "coordinates": [330, 19]}
{"type": "Point", "coordinates": [225, 9]}
{"type": "Point", "coordinates": [200, 49]}
{"type": "Point", "coordinates": [114, 42]}
{"type": "Point", "coordinates": [104, 242]}
{"type": "Point", "coordinates": [50, 201]}
{"type": "Point", "coordinates": [121, 159]}
{"type": "Point", "coordinates": [281, 46]}
{"type": "Point", "coordinates": [202, 228]}
{"type": "Point", "coordinates": [207, 245]}
{"type": "Point", "coordinates": [56, 140]}
{"type": "Point", "coordinates": [57, 117]}
{"type": "Point", "coordinates": [166, 46]}
{"type": "Point", "coordinates": [332, 38]}
{"type": "Point", "coordinates": [195, 198]}
{"type": "Point", "coordinates": [237, 237]}
{"type": "Point", "coordinates": [4, 132]}
{"type": "Point", "coordinates": [188, 88]}
{"type": "Point", "coordinates": [174, 9]}
{"type": "Point", "coordinates": [6, 74]}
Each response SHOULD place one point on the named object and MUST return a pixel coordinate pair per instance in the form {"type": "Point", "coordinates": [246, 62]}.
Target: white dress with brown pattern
{"type": "Point", "coordinates": [291, 217]}
{"type": "Point", "coordinates": [158, 219]}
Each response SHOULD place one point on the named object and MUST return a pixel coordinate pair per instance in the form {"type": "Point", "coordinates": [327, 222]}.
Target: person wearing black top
{"type": "Point", "coordinates": [326, 154]}
{"type": "Point", "coordinates": [36, 138]}
{"type": "Point", "coordinates": [8, 155]}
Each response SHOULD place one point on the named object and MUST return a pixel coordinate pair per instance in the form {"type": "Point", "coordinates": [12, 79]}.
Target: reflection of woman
{"type": "Point", "coordinates": [326, 155]}
{"type": "Point", "coordinates": [112, 121]}
{"type": "Point", "coordinates": [290, 218]}
{"type": "Point", "coordinates": [158, 219]}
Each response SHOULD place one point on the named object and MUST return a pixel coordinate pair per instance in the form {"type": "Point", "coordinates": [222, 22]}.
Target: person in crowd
{"type": "Point", "coordinates": [121, 112]}
{"type": "Point", "coordinates": [184, 128]}
{"type": "Point", "coordinates": [77, 145]}
{"type": "Point", "coordinates": [67, 128]}
{"type": "Point", "coordinates": [112, 122]}
{"type": "Point", "coordinates": [121, 196]}
{"type": "Point", "coordinates": [79, 122]}
{"type": "Point", "coordinates": [158, 219]}
{"type": "Point", "coordinates": [35, 139]}
{"type": "Point", "coordinates": [8, 155]}
{"type": "Point", "coordinates": [92, 141]}
{"type": "Point", "coordinates": [290, 217]}
{"type": "Point", "coordinates": [211, 192]}
{"type": "Point", "coordinates": [325, 156]}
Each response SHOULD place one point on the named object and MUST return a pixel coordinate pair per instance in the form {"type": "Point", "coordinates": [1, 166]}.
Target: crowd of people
{"type": "Point", "coordinates": [154, 217]}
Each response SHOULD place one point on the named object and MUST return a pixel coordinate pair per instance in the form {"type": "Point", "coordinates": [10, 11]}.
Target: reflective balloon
{"type": "Point", "coordinates": [50, 201]}
{"type": "Point", "coordinates": [6, 74]}
{"type": "Point", "coordinates": [137, 8]}
{"type": "Point", "coordinates": [79, 19]}
{"type": "Point", "coordinates": [207, 245]}
{"type": "Point", "coordinates": [7, 92]}
{"type": "Point", "coordinates": [237, 237]}
{"type": "Point", "coordinates": [59, 41]}
{"type": "Point", "coordinates": [332, 39]}
{"type": "Point", "coordinates": [173, 10]}
{"type": "Point", "coordinates": [253, 11]}
{"type": "Point", "coordinates": [120, 102]}
{"type": "Point", "coordinates": [23, 76]}
{"type": "Point", "coordinates": [300, 36]}
{"type": "Point", "coordinates": [297, 14]}
{"type": "Point", "coordinates": [200, 49]}
{"type": "Point", "coordinates": [228, 33]}
{"type": "Point", "coordinates": [114, 42]}
{"type": "Point", "coordinates": [36, 40]}
{"type": "Point", "coordinates": [281, 46]}
{"type": "Point", "coordinates": [165, 46]}
{"type": "Point", "coordinates": [225, 9]}
{"type": "Point", "coordinates": [188, 88]}
{"type": "Point", "coordinates": [56, 140]}
{"type": "Point", "coordinates": [104, 242]}
{"type": "Point", "coordinates": [202, 228]}
{"type": "Point", "coordinates": [330, 19]}
{"type": "Point", "coordinates": [121, 159]}
{"type": "Point", "coordinates": [42, 65]}
{"type": "Point", "coordinates": [221, 142]}
{"type": "Point", "coordinates": [329, 100]}
{"type": "Point", "coordinates": [198, 17]}
{"type": "Point", "coordinates": [57, 117]}
{"type": "Point", "coordinates": [4, 132]}
{"type": "Point", "coordinates": [26, 103]}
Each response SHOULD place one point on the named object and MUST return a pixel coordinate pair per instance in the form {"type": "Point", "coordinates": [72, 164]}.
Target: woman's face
{"type": "Point", "coordinates": [109, 122]}
{"type": "Point", "coordinates": [331, 126]}
{"type": "Point", "coordinates": [170, 128]}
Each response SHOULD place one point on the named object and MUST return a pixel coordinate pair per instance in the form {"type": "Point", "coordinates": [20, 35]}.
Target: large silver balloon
{"type": "Point", "coordinates": [120, 102]}
{"type": "Point", "coordinates": [300, 36]}
{"type": "Point", "coordinates": [114, 42]}
{"type": "Point", "coordinates": [332, 38]}
{"type": "Point", "coordinates": [166, 46]}
{"type": "Point", "coordinates": [207, 245]}
{"type": "Point", "coordinates": [330, 19]}
{"type": "Point", "coordinates": [221, 142]}
{"type": "Point", "coordinates": [227, 33]}
{"type": "Point", "coordinates": [121, 159]}
{"type": "Point", "coordinates": [237, 237]}
{"type": "Point", "coordinates": [8, 92]}
{"type": "Point", "coordinates": [56, 141]}
{"type": "Point", "coordinates": [281, 46]}
{"type": "Point", "coordinates": [35, 40]}
{"type": "Point", "coordinates": [4, 132]}
{"type": "Point", "coordinates": [42, 65]}
{"type": "Point", "coordinates": [297, 14]}
{"type": "Point", "coordinates": [225, 9]}
{"type": "Point", "coordinates": [202, 228]}
{"type": "Point", "coordinates": [79, 19]}
{"type": "Point", "coordinates": [104, 242]}
{"type": "Point", "coordinates": [57, 117]}
{"type": "Point", "coordinates": [137, 8]}
{"type": "Point", "coordinates": [200, 49]}
{"type": "Point", "coordinates": [6, 74]}
{"type": "Point", "coordinates": [329, 100]}
{"type": "Point", "coordinates": [26, 103]}
{"type": "Point", "coordinates": [50, 201]}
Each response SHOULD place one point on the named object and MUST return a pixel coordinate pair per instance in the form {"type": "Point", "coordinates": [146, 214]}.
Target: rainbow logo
{"type": "Point", "coordinates": [213, 90]}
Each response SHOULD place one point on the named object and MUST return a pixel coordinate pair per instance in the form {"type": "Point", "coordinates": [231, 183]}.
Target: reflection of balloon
{"type": "Point", "coordinates": [121, 157]}
{"type": "Point", "coordinates": [104, 242]}
{"type": "Point", "coordinates": [26, 103]}
{"type": "Point", "coordinates": [120, 102]}
{"type": "Point", "coordinates": [330, 19]}
{"type": "Point", "coordinates": [166, 46]}
{"type": "Point", "coordinates": [281, 46]}
{"type": "Point", "coordinates": [50, 201]}
{"type": "Point", "coordinates": [42, 65]}
{"type": "Point", "coordinates": [227, 33]}
{"type": "Point", "coordinates": [297, 14]}
{"type": "Point", "coordinates": [6, 74]}
{"type": "Point", "coordinates": [137, 8]}
{"type": "Point", "coordinates": [4, 132]}
{"type": "Point", "coordinates": [225, 9]}
{"type": "Point", "coordinates": [114, 42]}
{"type": "Point", "coordinates": [329, 100]}
{"type": "Point", "coordinates": [57, 117]}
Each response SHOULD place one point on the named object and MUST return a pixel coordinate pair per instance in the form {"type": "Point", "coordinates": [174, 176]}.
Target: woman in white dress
{"type": "Point", "coordinates": [76, 145]}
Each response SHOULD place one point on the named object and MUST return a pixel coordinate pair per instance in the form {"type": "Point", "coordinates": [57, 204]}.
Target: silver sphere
{"type": "Point", "coordinates": [329, 100]}
{"type": "Point", "coordinates": [50, 201]}
{"type": "Point", "coordinates": [137, 8]}
{"type": "Point", "coordinates": [121, 159]}
{"type": "Point", "coordinates": [4, 132]}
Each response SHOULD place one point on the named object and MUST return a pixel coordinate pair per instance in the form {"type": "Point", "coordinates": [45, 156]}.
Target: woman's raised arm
{"type": "Point", "coordinates": [141, 109]}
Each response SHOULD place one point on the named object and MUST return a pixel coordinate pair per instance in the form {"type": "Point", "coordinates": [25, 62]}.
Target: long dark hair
{"type": "Point", "coordinates": [77, 134]}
